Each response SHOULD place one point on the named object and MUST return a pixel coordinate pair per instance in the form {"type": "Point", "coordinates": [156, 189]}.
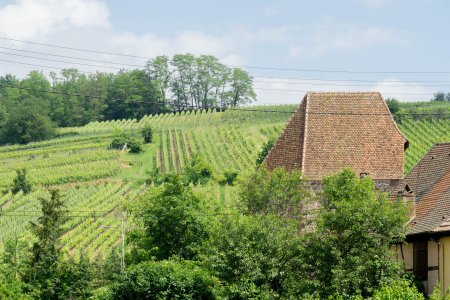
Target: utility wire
{"type": "Point", "coordinates": [71, 57]}
{"type": "Point", "coordinates": [256, 81]}
{"type": "Point", "coordinates": [143, 66]}
{"type": "Point", "coordinates": [239, 66]}
{"type": "Point", "coordinates": [234, 109]}
{"type": "Point", "coordinates": [61, 61]}
{"type": "Point", "coordinates": [256, 76]}
{"type": "Point", "coordinates": [105, 98]}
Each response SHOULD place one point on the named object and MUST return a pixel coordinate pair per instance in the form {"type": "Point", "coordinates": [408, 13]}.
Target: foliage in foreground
{"type": "Point", "coordinates": [166, 279]}
{"type": "Point", "coordinates": [20, 182]}
{"type": "Point", "coordinates": [348, 253]}
{"type": "Point", "coordinates": [401, 289]}
{"type": "Point", "coordinates": [264, 151]}
{"type": "Point", "coordinates": [279, 192]}
{"type": "Point", "coordinates": [173, 222]}
{"type": "Point", "coordinates": [254, 256]}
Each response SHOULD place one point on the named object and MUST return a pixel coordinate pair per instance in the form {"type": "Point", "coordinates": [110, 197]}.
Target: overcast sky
{"type": "Point", "coordinates": [378, 36]}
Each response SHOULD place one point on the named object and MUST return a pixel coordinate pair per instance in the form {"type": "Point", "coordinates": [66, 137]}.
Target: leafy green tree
{"type": "Point", "coordinates": [228, 178]}
{"type": "Point", "coordinates": [254, 256]}
{"type": "Point", "coordinates": [173, 220]}
{"type": "Point", "coordinates": [147, 134]}
{"type": "Point", "coordinates": [122, 139]}
{"type": "Point", "coordinates": [45, 260]}
{"type": "Point", "coordinates": [182, 81]}
{"type": "Point", "coordinates": [439, 96]}
{"type": "Point", "coordinates": [159, 73]}
{"type": "Point", "coordinates": [166, 280]}
{"type": "Point", "coordinates": [278, 192]}
{"type": "Point", "coordinates": [3, 116]}
{"type": "Point", "coordinates": [241, 91]}
{"type": "Point", "coordinates": [264, 151]}
{"type": "Point", "coordinates": [131, 95]}
{"type": "Point", "coordinates": [349, 252]}
{"type": "Point", "coordinates": [26, 124]}
{"type": "Point", "coordinates": [20, 183]}
{"type": "Point", "coordinates": [400, 289]}
{"type": "Point", "coordinates": [13, 265]}
{"type": "Point", "coordinates": [393, 105]}
{"type": "Point", "coordinates": [197, 171]}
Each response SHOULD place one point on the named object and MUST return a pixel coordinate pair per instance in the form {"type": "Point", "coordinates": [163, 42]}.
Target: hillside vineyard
{"type": "Point", "coordinates": [96, 180]}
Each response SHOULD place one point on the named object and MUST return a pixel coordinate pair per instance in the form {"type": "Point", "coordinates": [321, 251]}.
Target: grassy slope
{"type": "Point", "coordinates": [95, 181]}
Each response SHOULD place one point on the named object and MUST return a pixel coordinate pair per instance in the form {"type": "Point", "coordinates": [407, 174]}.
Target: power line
{"type": "Point", "coordinates": [196, 107]}
{"type": "Point", "coordinates": [303, 91]}
{"type": "Point", "coordinates": [239, 66]}
{"type": "Point", "coordinates": [41, 66]}
{"type": "Point", "coordinates": [337, 84]}
{"type": "Point", "coordinates": [73, 48]}
{"type": "Point", "coordinates": [60, 61]}
{"type": "Point", "coordinates": [71, 57]}
{"type": "Point", "coordinates": [257, 76]}
{"type": "Point", "coordinates": [141, 66]}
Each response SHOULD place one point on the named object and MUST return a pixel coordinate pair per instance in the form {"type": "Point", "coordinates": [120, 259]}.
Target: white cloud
{"type": "Point", "coordinates": [29, 19]}
{"type": "Point", "coordinates": [85, 24]}
{"type": "Point", "coordinates": [379, 3]}
{"type": "Point", "coordinates": [404, 91]}
{"type": "Point", "coordinates": [331, 36]}
{"type": "Point", "coordinates": [274, 90]}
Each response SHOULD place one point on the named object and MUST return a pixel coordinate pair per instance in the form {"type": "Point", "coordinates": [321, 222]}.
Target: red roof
{"type": "Point", "coordinates": [430, 181]}
{"type": "Point", "coordinates": [332, 131]}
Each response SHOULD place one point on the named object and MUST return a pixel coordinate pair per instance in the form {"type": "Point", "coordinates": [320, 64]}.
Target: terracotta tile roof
{"type": "Point", "coordinates": [430, 180]}
{"type": "Point", "coordinates": [332, 131]}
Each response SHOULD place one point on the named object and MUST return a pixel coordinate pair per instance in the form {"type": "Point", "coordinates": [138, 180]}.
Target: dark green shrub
{"type": "Point", "coordinates": [166, 280]}
{"type": "Point", "coordinates": [228, 178]}
{"type": "Point", "coordinates": [198, 171]}
{"type": "Point", "coordinates": [134, 145]}
{"type": "Point", "coordinates": [147, 134]}
{"type": "Point", "coordinates": [401, 289]}
{"type": "Point", "coordinates": [122, 138]}
{"type": "Point", "coordinates": [155, 177]}
{"type": "Point", "coordinates": [20, 183]}
{"type": "Point", "coordinates": [173, 220]}
{"type": "Point", "coordinates": [264, 151]}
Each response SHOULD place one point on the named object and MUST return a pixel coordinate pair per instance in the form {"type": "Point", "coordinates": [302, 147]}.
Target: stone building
{"type": "Point", "coordinates": [332, 131]}
{"type": "Point", "coordinates": [427, 252]}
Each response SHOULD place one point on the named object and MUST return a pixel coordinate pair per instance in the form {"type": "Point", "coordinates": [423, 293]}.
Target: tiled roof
{"type": "Point", "coordinates": [430, 180]}
{"type": "Point", "coordinates": [332, 131]}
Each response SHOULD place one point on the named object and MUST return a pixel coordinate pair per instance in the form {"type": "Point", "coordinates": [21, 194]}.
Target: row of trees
{"type": "Point", "coordinates": [441, 96]}
{"type": "Point", "coordinates": [72, 98]}
{"type": "Point", "coordinates": [186, 247]}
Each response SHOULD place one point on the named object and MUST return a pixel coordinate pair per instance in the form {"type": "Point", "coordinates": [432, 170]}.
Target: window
{"type": "Point", "coordinates": [420, 259]}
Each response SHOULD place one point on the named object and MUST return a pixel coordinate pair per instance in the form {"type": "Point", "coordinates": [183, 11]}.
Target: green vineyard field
{"type": "Point", "coordinates": [95, 181]}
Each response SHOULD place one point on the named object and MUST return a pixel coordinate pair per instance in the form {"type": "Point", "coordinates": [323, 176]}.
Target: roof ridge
{"type": "Point", "coordinates": [305, 132]}
{"type": "Point", "coordinates": [328, 92]}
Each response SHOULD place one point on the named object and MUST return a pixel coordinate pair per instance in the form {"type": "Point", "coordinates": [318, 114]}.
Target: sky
{"type": "Point", "coordinates": [397, 47]}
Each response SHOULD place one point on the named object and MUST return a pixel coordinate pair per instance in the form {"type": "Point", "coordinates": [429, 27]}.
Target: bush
{"type": "Point", "coordinates": [20, 183]}
{"type": "Point", "coordinates": [228, 178]}
{"type": "Point", "coordinates": [278, 192]}
{"type": "Point", "coordinates": [254, 257]}
{"type": "Point", "coordinates": [198, 171]}
{"type": "Point", "coordinates": [121, 139]}
{"type": "Point", "coordinates": [264, 151]}
{"type": "Point", "coordinates": [25, 125]}
{"type": "Point", "coordinates": [155, 177]}
{"type": "Point", "coordinates": [399, 290]}
{"type": "Point", "coordinates": [166, 280]}
{"type": "Point", "coordinates": [135, 146]}
{"type": "Point", "coordinates": [173, 220]}
{"type": "Point", "coordinates": [147, 134]}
